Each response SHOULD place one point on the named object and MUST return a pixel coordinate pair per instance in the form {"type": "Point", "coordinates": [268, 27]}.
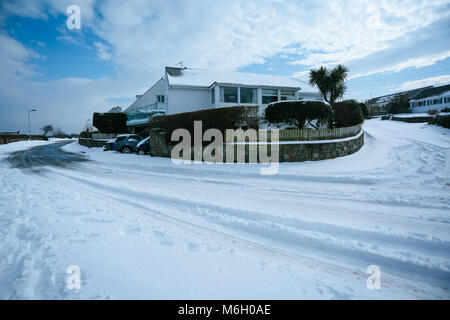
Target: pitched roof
{"type": "Point", "coordinates": [206, 78]}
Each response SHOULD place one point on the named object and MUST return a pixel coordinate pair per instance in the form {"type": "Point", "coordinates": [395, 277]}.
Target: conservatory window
{"type": "Point", "coordinates": [248, 95]}
{"type": "Point", "coordinates": [287, 94]}
{"type": "Point", "coordinates": [229, 94]}
{"type": "Point", "coordinates": [269, 95]}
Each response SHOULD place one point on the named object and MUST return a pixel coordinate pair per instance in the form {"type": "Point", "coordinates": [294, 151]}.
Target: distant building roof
{"type": "Point", "coordinates": [206, 78]}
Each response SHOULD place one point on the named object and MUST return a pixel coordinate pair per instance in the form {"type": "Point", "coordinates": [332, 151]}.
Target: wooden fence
{"type": "Point", "coordinates": [319, 134]}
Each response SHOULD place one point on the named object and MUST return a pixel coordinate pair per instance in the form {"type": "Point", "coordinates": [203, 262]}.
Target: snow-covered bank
{"type": "Point", "coordinates": [5, 149]}
{"type": "Point", "coordinates": [143, 227]}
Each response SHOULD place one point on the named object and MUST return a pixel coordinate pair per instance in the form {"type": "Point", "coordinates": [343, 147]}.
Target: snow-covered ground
{"type": "Point", "coordinates": [142, 227]}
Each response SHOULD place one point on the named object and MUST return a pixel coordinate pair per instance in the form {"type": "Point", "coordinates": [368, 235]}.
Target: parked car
{"type": "Point", "coordinates": [126, 143]}
{"type": "Point", "coordinates": [143, 147]}
{"type": "Point", "coordinates": [109, 145]}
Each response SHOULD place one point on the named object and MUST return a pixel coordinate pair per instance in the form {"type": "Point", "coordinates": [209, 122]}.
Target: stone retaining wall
{"type": "Point", "coordinates": [418, 119]}
{"type": "Point", "coordinates": [288, 152]}
{"type": "Point", "coordinates": [91, 143]}
{"type": "Point", "coordinates": [320, 151]}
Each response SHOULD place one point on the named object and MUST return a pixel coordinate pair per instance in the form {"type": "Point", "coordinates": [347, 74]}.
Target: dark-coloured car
{"type": "Point", "coordinates": [126, 143]}
{"type": "Point", "coordinates": [143, 147]}
{"type": "Point", "coordinates": [109, 145]}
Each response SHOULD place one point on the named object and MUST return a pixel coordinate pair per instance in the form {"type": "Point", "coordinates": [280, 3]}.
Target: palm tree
{"type": "Point", "coordinates": [330, 82]}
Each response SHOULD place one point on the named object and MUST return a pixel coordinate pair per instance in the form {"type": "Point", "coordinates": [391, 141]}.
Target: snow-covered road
{"type": "Point", "coordinates": [142, 227]}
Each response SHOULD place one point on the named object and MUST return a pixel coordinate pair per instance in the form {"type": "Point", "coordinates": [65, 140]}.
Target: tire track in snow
{"type": "Point", "coordinates": [301, 235]}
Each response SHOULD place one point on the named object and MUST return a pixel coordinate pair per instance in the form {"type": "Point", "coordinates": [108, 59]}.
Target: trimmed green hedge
{"type": "Point", "coordinates": [110, 122]}
{"type": "Point", "coordinates": [297, 113]}
{"type": "Point", "coordinates": [217, 118]}
{"type": "Point", "coordinates": [347, 113]}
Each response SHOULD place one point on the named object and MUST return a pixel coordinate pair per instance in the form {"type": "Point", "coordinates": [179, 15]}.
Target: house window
{"type": "Point", "coordinates": [269, 95]}
{"type": "Point", "coordinates": [287, 95]}
{"type": "Point", "coordinates": [229, 94]}
{"type": "Point", "coordinates": [213, 96]}
{"type": "Point", "coordinates": [160, 99]}
{"type": "Point", "coordinates": [248, 95]}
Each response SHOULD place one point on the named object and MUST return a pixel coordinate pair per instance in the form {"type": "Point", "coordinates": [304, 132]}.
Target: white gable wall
{"type": "Point", "coordinates": [149, 97]}
{"type": "Point", "coordinates": [188, 99]}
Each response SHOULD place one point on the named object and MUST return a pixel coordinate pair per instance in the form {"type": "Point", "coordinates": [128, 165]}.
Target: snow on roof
{"type": "Point", "coordinates": [206, 78]}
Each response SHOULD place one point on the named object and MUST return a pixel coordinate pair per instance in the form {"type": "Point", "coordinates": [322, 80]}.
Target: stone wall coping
{"type": "Point", "coordinates": [305, 142]}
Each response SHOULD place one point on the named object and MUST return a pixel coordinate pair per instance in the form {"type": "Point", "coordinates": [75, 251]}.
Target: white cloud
{"type": "Point", "coordinates": [235, 33]}
{"type": "Point", "coordinates": [140, 37]}
{"type": "Point", "coordinates": [415, 63]}
{"type": "Point", "coordinates": [15, 59]}
{"type": "Point", "coordinates": [408, 85]}
{"type": "Point", "coordinates": [102, 51]}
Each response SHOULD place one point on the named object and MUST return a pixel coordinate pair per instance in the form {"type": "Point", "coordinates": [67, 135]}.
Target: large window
{"type": "Point", "coordinates": [287, 95]}
{"type": "Point", "coordinates": [229, 94]}
{"type": "Point", "coordinates": [248, 95]}
{"type": "Point", "coordinates": [269, 95]}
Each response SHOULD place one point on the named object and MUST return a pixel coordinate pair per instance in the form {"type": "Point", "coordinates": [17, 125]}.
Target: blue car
{"type": "Point", "coordinates": [126, 143]}
{"type": "Point", "coordinates": [143, 147]}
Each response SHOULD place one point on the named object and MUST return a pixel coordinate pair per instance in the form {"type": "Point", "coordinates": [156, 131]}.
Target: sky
{"type": "Point", "coordinates": [122, 47]}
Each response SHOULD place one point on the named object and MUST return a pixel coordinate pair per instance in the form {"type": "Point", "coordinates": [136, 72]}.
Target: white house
{"type": "Point", "coordinates": [184, 89]}
{"type": "Point", "coordinates": [438, 102]}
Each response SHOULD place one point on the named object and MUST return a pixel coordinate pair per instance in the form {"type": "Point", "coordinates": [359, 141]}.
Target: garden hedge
{"type": "Point", "coordinates": [110, 122]}
{"type": "Point", "coordinates": [297, 113]}
{"type": "Point", "coordinates": [217, 118]}
{"type": "Point", "coordinates": [347, 113]}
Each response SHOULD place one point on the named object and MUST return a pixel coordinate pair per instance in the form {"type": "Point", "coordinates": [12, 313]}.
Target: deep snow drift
{"type": "Point", "coordinates": [142, 227]}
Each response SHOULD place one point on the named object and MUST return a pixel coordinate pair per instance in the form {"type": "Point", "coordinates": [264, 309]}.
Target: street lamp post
{"type": "Point", "coordinates": [29, 123]}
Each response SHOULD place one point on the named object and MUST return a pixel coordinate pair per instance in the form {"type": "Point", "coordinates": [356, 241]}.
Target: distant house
{"type": "Point", "coordinates": [416, 97]}
{"type": "Point", "coordinates": [437, 102]}
{"type": "Point", "coordinates": [184, 89]}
